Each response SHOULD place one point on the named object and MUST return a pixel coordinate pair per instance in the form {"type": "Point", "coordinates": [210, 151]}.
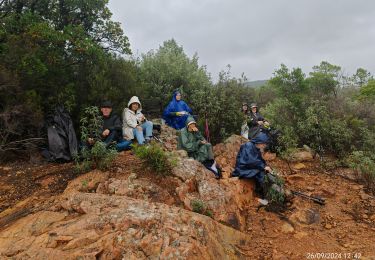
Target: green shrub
{"type": "Point", "coordinates": [99, 156]}
{"type": "Point", "coordinates": [323, 133]}
{"type": "Point", "coordinates": [91, 123]}
{"type": "Point", "coordinates": [155, 157]}
{"type": "Point", "coordinates": [364, 165]}
{"type": "Point", "coordinates": [281, 116]}
{"type": "Point", "coordinates": [199, 207]}
{"type": "Point", "coordinates": [273, 195]}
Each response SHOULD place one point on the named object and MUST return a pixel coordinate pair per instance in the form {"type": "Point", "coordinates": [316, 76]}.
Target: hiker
{"type": "Point", "coordinates": [135, 124]}
{"type": "Point", "coordinates": [245, 127]}
{"type": "Point", "coordinates": [111, 131]}
{"type": "Point", "coordinates": [250, 163]}
{"type": "Point", "coordinates": [256, 121]}
{"type": "Point", "coordinates": [192, 141]}
{"type": "Point", "coordinates": [177, 111]}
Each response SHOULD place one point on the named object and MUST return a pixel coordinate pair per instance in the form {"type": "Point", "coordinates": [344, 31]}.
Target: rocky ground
{"type": "Point", "coordinates": [129, 212]}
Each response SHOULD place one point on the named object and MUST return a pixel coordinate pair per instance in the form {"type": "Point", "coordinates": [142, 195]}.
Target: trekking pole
{"type": "Point", "coordinates": [318, 200]}
{"type": "Point", "coordinates": [158, 139]}
{"type": "Point", "coordinates": [207, 130]}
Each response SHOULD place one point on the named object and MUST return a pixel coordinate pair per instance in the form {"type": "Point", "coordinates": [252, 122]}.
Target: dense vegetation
{"type": "Point", "coordinates": [72, 53]}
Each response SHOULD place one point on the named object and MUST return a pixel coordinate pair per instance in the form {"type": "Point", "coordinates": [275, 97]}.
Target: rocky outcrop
{"type": "Point", "coordinates": [301, 155]}
{"type": "Point", "coordinates": [226, 153]}
{"type": "Point", "coordinates": [227, 199]}
{"type": "Point", "coordinates": [113, 216]}
{"type": "Point", "coordinates": [118, 227]}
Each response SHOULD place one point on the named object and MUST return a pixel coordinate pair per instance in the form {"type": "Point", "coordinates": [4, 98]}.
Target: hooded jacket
{"type": "Point", "coordinates": [249, 161]}
{"type": "Point", "coordinates": [131, 119]}
{"type": "Point", "coordinates": [169, 114]}
{"type": "Point", "coordinates": [192, 143]}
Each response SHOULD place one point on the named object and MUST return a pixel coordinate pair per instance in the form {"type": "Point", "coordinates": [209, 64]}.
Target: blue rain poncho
{"type": "Point", "coordinates": [170, 116]}
{"type": "Point", "coordinates": [249, 161]}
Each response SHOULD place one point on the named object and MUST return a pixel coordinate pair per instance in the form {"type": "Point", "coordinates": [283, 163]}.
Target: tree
{"type": "Point", "coordinates": [368, 91]}
{"type": "Point", "coordinates": [324, 80]}
{"type": "Point", "coordinates": [290, 85]}
{"type": "Point", "coordinates": [60, 51]}
{"type": "Point", "coordinates": [170, 68]}
{"type": "Point", "coordinates": [361, 77]}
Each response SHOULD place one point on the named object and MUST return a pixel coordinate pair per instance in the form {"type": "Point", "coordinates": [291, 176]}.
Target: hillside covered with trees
{"type": "Point", "coordinates": [73, 53]}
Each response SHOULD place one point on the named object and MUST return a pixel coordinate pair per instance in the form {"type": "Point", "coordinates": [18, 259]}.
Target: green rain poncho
{"type": "Point", "coordinates": [191, 142]}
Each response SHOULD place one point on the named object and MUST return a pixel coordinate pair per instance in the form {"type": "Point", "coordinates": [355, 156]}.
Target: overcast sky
{"type": "Point", "coordinates": [255, 37]}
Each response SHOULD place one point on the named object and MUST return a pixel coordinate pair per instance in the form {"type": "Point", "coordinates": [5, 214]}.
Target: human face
{"type": "Point", "coordinates": [244, 108]}
{"type": "Point", "coordinates": [106, 111]}
{"type": "Point", "coordinates": [178, 97]}
{"type": "Point", "coordinates": [191, 127]}
{"type": "Point", "coordinates": [254, 109]}
{"type": "Point", "coordinates": [134, 106]}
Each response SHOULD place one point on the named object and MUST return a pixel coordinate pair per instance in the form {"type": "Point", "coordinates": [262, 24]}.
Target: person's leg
{"type": "Point", "coordinates": [147, 129]}
{"type": "Point", "coordinates": [139, 136]}
{"type": "Point", "coordinates": [123, 145]}
{"type": "Point", "coordinates": [210, 152]}
{"type": "Point", "coordinates": [205, 153]}
{"type": "Point", "coordinates": [259, 184]}
{"type": "Point", "coordinates": [110, 138]}
{"type": "Point", "coordinates": [212, 166]}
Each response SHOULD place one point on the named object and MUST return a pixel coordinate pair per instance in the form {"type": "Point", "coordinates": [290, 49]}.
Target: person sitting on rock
{"type": "Point", "coordinates": [256, 121]}
{"type": "Point", "coordinates": [192, 141]}
{"type": "Point", "coordinates": [250, 163]}
{"type": "Point", "coordinates": [111, 131]}
{"type": "Point", "coordinates": [135, 124]}
{"type": "Point", "coordinates": [177, 111]}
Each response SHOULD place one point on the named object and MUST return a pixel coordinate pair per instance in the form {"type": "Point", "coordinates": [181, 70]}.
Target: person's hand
{"type": "Point", "coordinates": [105, 132]}
{"type": "Point", "coordinates": [90, 141]}
{"type": "Point", "coordinates": [139, 128]}
{"type": "Point", "coordinates": [180, 113]}
{"type": "Point", "coordinates": [268, 169]}
{"type": "Point", "coordinates": [266, 124]}
{"type": "Point", "coordinates": [203, 142]}
{"type": "Point", "coordinates": [142, 118]}
{"type": "Point", "coordinates": [260, 122]}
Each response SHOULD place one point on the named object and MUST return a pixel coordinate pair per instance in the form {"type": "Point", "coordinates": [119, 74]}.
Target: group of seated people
{"type": "Point", "coordinates": [135, 126]}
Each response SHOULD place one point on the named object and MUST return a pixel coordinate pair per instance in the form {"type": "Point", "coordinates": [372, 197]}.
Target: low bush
{"type": "Point", "coordinates": [364, 165]}
{"type": "Point", "coordinates": [155, 157]}
{"type": "Point", "coordinates": [198, 206]}
{"type": "Point", "coordinates": [98, 155]}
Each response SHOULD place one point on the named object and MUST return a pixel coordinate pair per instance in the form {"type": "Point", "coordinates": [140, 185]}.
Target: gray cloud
{"type": "Point", "coordinates": [255, 37]}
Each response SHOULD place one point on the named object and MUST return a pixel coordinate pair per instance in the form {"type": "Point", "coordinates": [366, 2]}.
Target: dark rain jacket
{"type": "Point", "coordinates": [249, 161]}
{"type": "Point", "coordinates": [254, 127]}
{"type": "Point", "coordinates": [113, 124]}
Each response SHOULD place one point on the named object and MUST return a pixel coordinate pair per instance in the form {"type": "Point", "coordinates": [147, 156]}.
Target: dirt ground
{"type": "Point", "coordinates": [344, 228]}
